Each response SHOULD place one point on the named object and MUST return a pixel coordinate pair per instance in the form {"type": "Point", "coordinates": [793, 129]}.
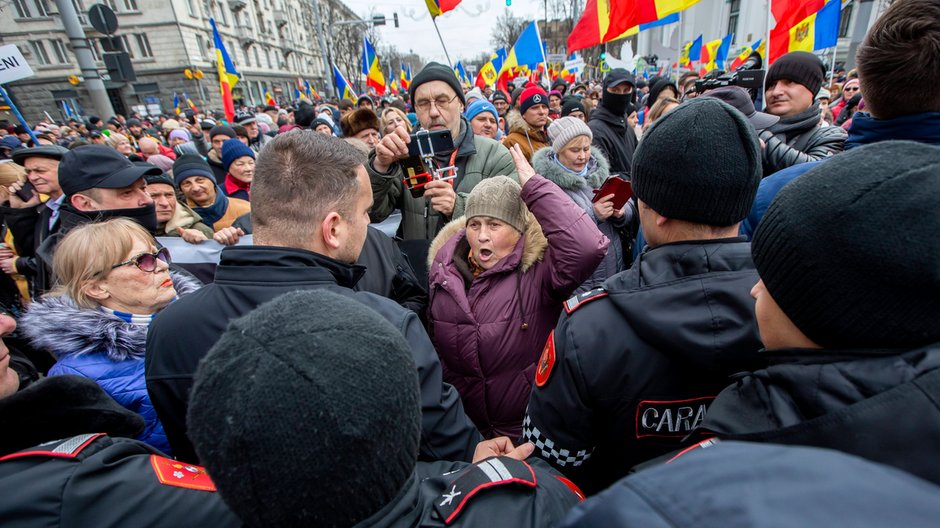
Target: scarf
{"type": "Point", "coordinates": [135, 319]}
{"type": "Point", "coordinates": [474, 267]}
{"type": "Point", "coordinates": [212, 214]}
{"type": "Point", "coordinates": [795, 125]}
{"type": "Point", "coordinates": [233, 185]}
{"type": "Point", "coordinates": [591, 165]}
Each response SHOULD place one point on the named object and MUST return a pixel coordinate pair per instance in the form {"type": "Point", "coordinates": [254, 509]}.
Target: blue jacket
{"type": "Point", "coordinates": [924, 128]}
{"type": "Point", "coordinates": [99, 346]}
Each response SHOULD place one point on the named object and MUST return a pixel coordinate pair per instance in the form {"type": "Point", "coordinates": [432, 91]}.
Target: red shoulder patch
{"type": "Point", "coordinates": [573, 487]}
{"type": "Point", "coordinates": [546, 361]}
{"type": "Point", "coordinates": [172, 473]}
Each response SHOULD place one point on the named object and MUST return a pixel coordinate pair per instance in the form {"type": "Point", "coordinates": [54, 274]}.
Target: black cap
{"type": "Point", "coordinates": [99, 167]}
{"type": "Point", "coordinates": [270, 108]}
{"type": "Point", "coordinates": [436, 71]}
{"type": "Point", "coordinates": [243, 118]}
{"type": "Point", "coordinates": [222, 130]}
{"type": "Point", "coordinates": [740, 99]}
{"type": "Point", "coordinates": [618, 76]}
{"type": "Point", "coordinates": [207, 124]}
{"type": "Point", "coordinates": [43, 151]}
{"type": "Point", "coordinates": [132, 122]}
{"type": "Point", "coordinates": [571, 105]}
{"type": "Point", "coordinates": [499, 94]}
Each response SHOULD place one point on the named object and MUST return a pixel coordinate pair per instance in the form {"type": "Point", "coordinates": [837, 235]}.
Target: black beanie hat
{"type": "Point", "coordinates": [700, 162]}
{"type": "Point", "coordinates": [307, 412]}
{"type": "Point", "coordinates": [850, 250]}
{"type": "Point", "coordinates": [572, 105]}
{"type": "Point", "coordinates": [657, 88]}
{"type": "Point", "coordinates": [801, 67]}
{"type": "Point", "coordinates": [222, 130]}
{"type": "Point", "coordinates": [189, 165]}
{"type": "Point", "coordinates": [436, 71]}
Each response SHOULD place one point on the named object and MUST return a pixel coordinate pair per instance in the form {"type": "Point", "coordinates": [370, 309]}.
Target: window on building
{"type": "Point", "coordinates": [257, 57]}
{"type": "Point", "coordinates": [39, 50]}
{"type": "Point", "coordinates": [845, 20]}
{"type": "Point", "coordinates": [143, 43]}
{"type": "Point", "coordinates": [58, 51]}
{"type": "Point", "coordinates": [127, 46]}
{"type": "Point", "coordinates": [191, 8]}
{"type": "Point", "coordinates": [79, 8]}
{"type": "Point", "coordinates": [22, 9]}
{"type": "Point", "coordinates": [42, 8]}
{"type": "Point", "coordinates": [203, 50]}
{"type": "Point", "coordinates": [111, 4]}
{"type": "Point", "coordinates": [206, 10]}
{"type": "Point", "coordinates": [247, 57]}
{"type": "Point", "coordinates": [267, 56]}
{"type": "Point", "coordinates": [733, 16]}
{"type": "Point", "coordinates": [130, 5]}
{"type": "Point", "coordinates": [95, 51]}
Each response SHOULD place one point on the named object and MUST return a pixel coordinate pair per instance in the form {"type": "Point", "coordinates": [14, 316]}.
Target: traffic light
{"type": "Point", "coordinates": [603, 55]}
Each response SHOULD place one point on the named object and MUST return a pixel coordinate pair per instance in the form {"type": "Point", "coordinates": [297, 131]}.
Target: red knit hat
{"type": "Point", "coordinates": [531, 96]}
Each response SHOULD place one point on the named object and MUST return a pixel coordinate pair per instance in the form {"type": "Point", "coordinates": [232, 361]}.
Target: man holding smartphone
{"type": "Point", "coordinates": [439, 104]}
{"type": "Point", "coordinates": [30, 221]}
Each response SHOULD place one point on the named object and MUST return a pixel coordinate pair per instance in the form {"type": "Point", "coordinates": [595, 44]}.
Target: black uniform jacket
{"type": "Point", "coordinates": [631, 369]}
{"type": "Point", "coordinates": [883, 405]}
{"type": "Point", "coordinates": [498, 491]}
{"type": "Point", "coordinates": [248, 276]}
{"type": "Point", "coordinates": [614, 138]}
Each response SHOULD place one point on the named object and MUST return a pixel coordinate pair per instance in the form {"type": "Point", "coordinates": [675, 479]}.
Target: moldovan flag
{"type": "Point", "coordinates": [228, 75]}
{"type": "Point", "coordinates": [625, 14]}
{"type": "Point", "coordinates": [269, 99]}
{"type": "Point", "coordinates": [527, 51]}
{"type": "Point", "coordinates": [671, 19]}
{"type": "Point", "coordinates": [715, 53]}
{"type": "Point", "coordinates": [176, 103]}
{"type": "Point", "coordinates": [819, 30]}
{"type": "Point", "coordinates": [190, 103]}
{"type": "Point", "coordinates": [405, 79]}
{"type": "Point", "coordinates": [742, 57]}
{"type": "Point", "coordinates": [371, 69]}
{"type": "Point", "coordinates": [691, 51]}
{"type": "Point", "coordinates": [343, 88]}
{"type": "Point", "coordinates": [439, 7]}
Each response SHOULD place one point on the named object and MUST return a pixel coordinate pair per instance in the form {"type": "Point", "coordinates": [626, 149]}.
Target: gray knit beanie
{"type": "Point", "coordinates": [498, 197]}
{"type": "Point", "coordinates": [850, 251]}
{"type": "Point", "coordinates": [563, 130]}
{"type": "Point", "coordinates": [700, 163]}
{"type": "Point", "coordinates": [307, 412]}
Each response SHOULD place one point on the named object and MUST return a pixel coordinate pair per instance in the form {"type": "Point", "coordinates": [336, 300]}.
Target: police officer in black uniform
{"type": "Point", "coordinates": [307, 413]}
{"type": "Point", "coordinates": [632, 367]}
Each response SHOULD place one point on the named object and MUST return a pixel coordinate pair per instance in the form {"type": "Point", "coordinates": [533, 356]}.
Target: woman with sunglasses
{"type": "Point", "coordinates": [111, 282]}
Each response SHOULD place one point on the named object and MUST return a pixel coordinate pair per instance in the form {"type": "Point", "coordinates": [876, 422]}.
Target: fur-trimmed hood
{"type": "Point", "coordinates": [516, 123]}
{"type": "Point", "coordinates": [57, 324]}
{"type": "Point", "coordinates": [533, 249]}
{"type": "Point", "coordinates": [543, 161]}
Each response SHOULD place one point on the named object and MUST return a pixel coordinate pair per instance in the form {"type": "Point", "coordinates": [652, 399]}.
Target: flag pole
{"type": "Point", "coordinates": [678, 45]}
{"type": "Point", "coordinates": [449, 63]}
{"type": "Point", "coordinates": [832, 70]}
{"type": "Point", "coordinates": [538, 35]}
{"type": "Point", "coordinates": [767, 50]}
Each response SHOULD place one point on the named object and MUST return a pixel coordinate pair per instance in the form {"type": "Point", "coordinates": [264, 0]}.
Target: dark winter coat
{"type": "Point", "coordinates": [883, 405]}
{"type": "Point", "coordinates": [218, 170]}
{"type": "Point", "coordinates": [799, 139]}
{"type": "Point", "coordinates": [489, 335]}
{"type": "Point", "coordinates": [494, 492]}
{"type": "Point", "coordinates": [632, 368]}
{"type": "Point", "coordinates": [102, 347]}
{"type": "Point", "coordinates": [520, 133]}
{"type": "Point", "coordinates": [67, 460]}
{"type": "Point", "coordinates": [581, 191]}
{"type": "Point", "coordinates": [30, 228]}
{"type": "Point", "coordinates": [248, 276]}
{"type": "Point", "coordinates": [615, 139]}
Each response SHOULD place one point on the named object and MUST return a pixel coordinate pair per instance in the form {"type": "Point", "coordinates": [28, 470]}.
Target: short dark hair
{"type": "Point", "coordinates": [346, 104]}
{"type": "Point", "coordinates": [300, 177]}
{"type": "Point", "coordinates": [240, 131]}
{"type": "Point", "coordinates": [902, 50]}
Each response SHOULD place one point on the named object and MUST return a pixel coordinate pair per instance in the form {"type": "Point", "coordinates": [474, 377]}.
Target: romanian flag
{"type": "Point", "coordinates": [176, 103]}
{"type": "Point", "coordinates": [371, 68]}
{"type": "Point", "coordinates": [439, 7]}
{"type": "Point", "coordinates": [228, 75]}
{"type": "Point", "coordinates": [526, 52]}
{"type": "Point", "coordinates": [606, 20]}
{"type": "Point", "coordinates": [310, 91]}
{"type": "Point", "coordinates": [343, 88]}
{"type": "Point", "coordinates": [715, 53]}
{"type": "Point", "coordinates": [461, 73]}
{"type": "Point", "coordinates": [690, 52]}
{"type": "Point", "coordinates": [404, 80]}
{"type": "Point", "coordinates": [819, 30]}
{"type": "Point", "coordinates": [742, 57]}
{"type": "Point", "coordinates": [269, 99]}
{"type": "Point", "coordinates": [190, 104]}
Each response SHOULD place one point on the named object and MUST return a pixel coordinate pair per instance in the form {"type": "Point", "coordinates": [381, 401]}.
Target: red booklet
{"type": "Point", "coordinates": [616, 186]}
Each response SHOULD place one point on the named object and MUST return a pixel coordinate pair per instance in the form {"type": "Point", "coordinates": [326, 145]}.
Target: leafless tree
{"type": "Point", "coordinates": [507, 30]}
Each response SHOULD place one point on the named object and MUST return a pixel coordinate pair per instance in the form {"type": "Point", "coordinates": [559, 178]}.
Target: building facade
{"type": "Point", "coordinates": [272, 43]}
{"type": "Point", "coordinates": [748, 21]}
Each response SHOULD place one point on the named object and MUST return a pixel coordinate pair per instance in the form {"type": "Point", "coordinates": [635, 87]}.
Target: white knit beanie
{"type": "Point", "coordinates": [563, 130]}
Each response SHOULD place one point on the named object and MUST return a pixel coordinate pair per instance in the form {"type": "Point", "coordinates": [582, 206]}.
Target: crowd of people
{"type": "Point", "coordinates": [617, 303]}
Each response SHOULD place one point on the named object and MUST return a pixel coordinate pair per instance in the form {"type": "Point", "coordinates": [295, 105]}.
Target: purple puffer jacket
{"type": "Point", "coordinates": [490, 337]}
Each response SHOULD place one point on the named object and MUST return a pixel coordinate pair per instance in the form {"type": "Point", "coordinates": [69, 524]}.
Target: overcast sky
{"type": "Point", "coordinates": [465, 35]}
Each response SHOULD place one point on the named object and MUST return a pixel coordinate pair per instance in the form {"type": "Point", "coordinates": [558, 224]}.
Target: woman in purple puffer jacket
{"type": "Point", "coordinates": [498, 277]}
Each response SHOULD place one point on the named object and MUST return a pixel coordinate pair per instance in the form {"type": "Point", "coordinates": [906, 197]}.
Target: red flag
{"type": "Point", "coordinates": [789, 12]}
{"type": "Point", "coordinates": [587, 31]}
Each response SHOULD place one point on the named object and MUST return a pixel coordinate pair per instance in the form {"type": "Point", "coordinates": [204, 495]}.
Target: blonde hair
{"type": "Point", "coordinates": [401, 114]}
{"type": "Point", "coordinates": [116, 138]}
{"type": "Point", "coordinates": [659, 109]}
{"type": "Point", "coordinates": [87, 253]}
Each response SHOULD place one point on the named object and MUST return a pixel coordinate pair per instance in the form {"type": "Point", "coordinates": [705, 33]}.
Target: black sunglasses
{"type": "Point", "coordinates": [147, 261]}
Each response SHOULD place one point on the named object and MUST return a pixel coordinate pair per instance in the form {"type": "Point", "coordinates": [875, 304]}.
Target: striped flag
{"type": "Point", "coordinates": [439, 7]}
{"type": "Point", "coordinates": [228, 75]}
{"type": "Point", "coordinates": [343, 88]}
{"type": "Point", "coordinates": [819, 30]}
{"type": "Point", "coordinates": [371, 68]}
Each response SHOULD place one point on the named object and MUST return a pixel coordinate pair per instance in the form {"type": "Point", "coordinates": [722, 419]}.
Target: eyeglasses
{"type": "Point", "coordinates": [852, 89]}
{"type": "Point", "coordinates": [440, 102]}
{"type": "Point", "coordinates": [147, 261]}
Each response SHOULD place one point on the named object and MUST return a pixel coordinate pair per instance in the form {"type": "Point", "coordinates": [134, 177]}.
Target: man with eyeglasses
{"type": "Point", "coordinates": [30, 221]}
{"type": "Point", "coordinates": [791, 85]}
{"type": "Point", "coordinates": [439, 103]}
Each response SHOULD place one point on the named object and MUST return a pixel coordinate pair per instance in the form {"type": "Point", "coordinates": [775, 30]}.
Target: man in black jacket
{"type": "Point", "coordinates": [609, 121]}
{"type": "Point", "coordinates": [310, 211]}
{"type": "Point", "coordinates": [848, 313]}
{"type": "Point", "coordinates": [631, 367]}
{"type": "Point", "coordinates": [32, 222]}
{"type": "Point", "coordinates": [792, 84]}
